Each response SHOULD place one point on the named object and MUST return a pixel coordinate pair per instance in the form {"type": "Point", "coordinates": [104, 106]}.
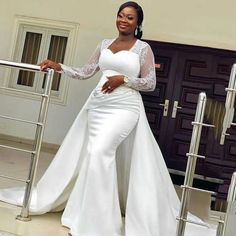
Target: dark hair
{"type": "Point", "coordinates": [139, 11]}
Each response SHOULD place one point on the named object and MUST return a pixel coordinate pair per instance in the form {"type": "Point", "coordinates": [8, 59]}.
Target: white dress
{"type": "Point", "coordinates": [109, 163]}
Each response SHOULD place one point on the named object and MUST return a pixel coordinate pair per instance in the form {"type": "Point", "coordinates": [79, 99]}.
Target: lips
{"type": "Point", "coordinates": [123, 26]}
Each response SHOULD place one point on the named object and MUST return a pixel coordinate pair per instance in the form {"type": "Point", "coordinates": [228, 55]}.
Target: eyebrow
{"type": "Point", "coordinates": [130, 14]}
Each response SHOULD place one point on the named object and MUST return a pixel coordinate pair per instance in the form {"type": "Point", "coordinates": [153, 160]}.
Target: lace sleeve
{"type": "Point", "coordinates": [88, 70]}
{"type": "Point", "coordinates": [147, 79]}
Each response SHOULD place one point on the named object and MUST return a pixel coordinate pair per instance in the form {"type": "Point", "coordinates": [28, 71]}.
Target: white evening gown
{"type": "Point", "coordinates": [109, 163]}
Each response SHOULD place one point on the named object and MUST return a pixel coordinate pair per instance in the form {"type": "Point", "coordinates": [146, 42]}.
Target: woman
{"type": "Point", "coordinates": [100, 171]}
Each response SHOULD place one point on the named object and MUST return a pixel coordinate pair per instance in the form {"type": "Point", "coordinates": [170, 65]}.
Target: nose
{"type": "Point", "coordinates": [124, 19]}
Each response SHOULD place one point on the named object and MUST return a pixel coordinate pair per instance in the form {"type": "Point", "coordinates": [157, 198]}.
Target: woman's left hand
{"type": "Point", "coordinates": [112, 83]}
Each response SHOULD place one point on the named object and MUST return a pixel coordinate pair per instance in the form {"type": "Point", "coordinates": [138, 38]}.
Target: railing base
{"type": "Point", "coordinates": [21, 218]}
{"type": "Point", "coordinates": [220, 228]}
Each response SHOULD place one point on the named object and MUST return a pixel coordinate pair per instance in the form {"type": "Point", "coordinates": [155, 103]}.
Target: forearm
{"type": "Point", "coordinates": [141, 84]}
{"type": "Point", "coordinates": [79, 73]}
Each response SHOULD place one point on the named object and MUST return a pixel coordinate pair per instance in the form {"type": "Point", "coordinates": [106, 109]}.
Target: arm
{"type": "Point", "coordinates": [84, 72]}
{"type": "Point", "coordinates": [87, 70]}
{"type": "Point", "coordinates": [147, 79]}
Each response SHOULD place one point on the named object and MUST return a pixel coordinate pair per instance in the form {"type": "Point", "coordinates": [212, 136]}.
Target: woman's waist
{"type": "Point", "coordinates": [119, 92]}
{"type": "Point", "coordinates": [126, 100]}
{"type": "Point", "coordinates": [121, 89]}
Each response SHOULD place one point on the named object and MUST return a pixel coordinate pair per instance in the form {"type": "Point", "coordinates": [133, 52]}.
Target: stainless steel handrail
{"type": "Point", "coordinates": [225, 225]}
{"type": "Point", "coordinates": [21, 91]}
{"type": "Point", "coordinates": [21, 120]}
{"type": "Point", "coordinates": [191, 165]}
{"type": "Point", "coordinates": [229, 104]}
{"type": "Point", "coordinates": [24, 215]}
{"type": "Point", "coordinates": [37, 146]}
{"type": "Point", "coordinates": [17, 149]}
{"type": "Point", "coordinates": [13, 178]}
{"type": "Point", "coordinates": [19, 65]}
{"type": "Point", "coordinates": [228, 121]}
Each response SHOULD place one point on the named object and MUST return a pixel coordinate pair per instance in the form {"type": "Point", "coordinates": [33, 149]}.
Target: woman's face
{"type": "Point", "coordinates": [126, 21]}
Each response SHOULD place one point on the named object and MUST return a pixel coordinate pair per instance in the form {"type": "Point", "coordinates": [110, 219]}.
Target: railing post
{"type": "Point", "coordinates": [190, 170]}
{"type": "Point", "coordinates": [220, 228]}
{"type": "Point", "coordinates": [24, 215]}
{"type": "Point", "coordinates": [229, 104]}
{"type": "Point", "coordinates": [227, 228]}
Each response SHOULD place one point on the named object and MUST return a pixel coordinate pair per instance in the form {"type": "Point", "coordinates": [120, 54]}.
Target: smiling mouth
{"type": "Point", "coordinates": [123, 26]}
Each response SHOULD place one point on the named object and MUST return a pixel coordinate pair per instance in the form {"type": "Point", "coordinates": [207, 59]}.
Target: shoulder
{"type": "Point", "coordinates": [142, 46]}
{"type": "Point", "coordinates": [143, 43]}
{"type": "Point", "coordinates": [106, 43]}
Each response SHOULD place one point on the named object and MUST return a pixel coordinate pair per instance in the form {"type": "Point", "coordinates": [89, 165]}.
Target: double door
{"type": "Point", "coordinates": [182, 73]}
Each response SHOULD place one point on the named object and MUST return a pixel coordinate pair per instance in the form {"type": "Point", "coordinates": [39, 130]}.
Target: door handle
{"type": "Point", "coordinates": [166, 107]}
{"type": "Point", "coordinates": [175, 108]}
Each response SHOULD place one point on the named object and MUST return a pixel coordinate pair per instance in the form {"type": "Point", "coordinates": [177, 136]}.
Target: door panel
{"type": "Point", "coordinates": [182, 73]}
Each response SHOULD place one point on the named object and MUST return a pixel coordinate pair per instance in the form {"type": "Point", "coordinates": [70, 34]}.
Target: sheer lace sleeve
{"type": "Point", "coordinates": [147, 79]}
{"type": "Point", "coordinates": [87, 70]}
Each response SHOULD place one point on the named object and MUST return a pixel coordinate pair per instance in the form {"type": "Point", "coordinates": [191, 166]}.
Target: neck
{"type": "Point", "coordinates": [129, 37]}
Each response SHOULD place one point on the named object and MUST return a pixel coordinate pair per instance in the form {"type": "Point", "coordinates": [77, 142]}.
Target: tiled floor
{"type": "Point", "coordinates": [45, 225]}
{"type": "Point", "coordinates": [16, 164]}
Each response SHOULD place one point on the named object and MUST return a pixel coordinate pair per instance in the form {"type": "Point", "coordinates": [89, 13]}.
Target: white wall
{"type": "Point", "coordinates": [205, 23]}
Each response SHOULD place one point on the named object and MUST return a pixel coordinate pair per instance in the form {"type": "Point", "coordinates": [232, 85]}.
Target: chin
{"type": "Point", "coordinates": [125, 33]}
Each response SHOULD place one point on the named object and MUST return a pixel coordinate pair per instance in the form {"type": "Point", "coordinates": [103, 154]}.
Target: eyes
{"type": "Point", "coordinates": [123, 16]}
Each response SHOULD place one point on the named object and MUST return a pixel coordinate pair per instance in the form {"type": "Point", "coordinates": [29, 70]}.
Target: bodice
{"type": "Point", "coordinates": [123, 62]}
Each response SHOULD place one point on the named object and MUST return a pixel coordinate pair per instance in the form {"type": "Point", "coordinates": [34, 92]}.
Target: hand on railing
{"type": "Point", "coordinates": [48, 64]}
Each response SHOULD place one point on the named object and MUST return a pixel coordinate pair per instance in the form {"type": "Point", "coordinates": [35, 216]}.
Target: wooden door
{"type": "Point", "coordinates": [182, 73]}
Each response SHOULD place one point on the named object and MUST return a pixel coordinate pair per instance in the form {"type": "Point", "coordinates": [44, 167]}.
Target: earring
{"type": "Point", "coordinates": [136, 30]}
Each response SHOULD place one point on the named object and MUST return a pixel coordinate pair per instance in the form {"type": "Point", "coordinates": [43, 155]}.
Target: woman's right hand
{"type": "Point", "coordinates": [44, 65]}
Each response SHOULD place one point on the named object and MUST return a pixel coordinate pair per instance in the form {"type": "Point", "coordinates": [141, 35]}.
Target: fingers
{"type": "Point", "coordinates": [44, 65]}
{"type": "Point", "coordinates": [112, 83]}
{"type": "Point", "coordinates": [107, 88]}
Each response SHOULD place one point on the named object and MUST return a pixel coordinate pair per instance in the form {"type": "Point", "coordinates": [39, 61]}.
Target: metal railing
{"type": "Point", "coordinates": [191, 165]}
{"type": "Point", "coordinates": [45, 96]}
{"type": "Point", "coordinates": [231, 208]}
{"type": "Point", "coordinates": [227, 226]}
{"type": "Point", "coordinates": [229, 104]}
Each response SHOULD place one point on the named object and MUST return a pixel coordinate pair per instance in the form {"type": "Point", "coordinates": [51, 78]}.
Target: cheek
{"type": "Point", "coordinates": [117, 23]}
{"type": "Point", "coordinates": [134, 25]}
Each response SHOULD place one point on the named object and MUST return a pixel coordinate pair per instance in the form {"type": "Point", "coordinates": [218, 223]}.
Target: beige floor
{"type": "Point", "coordinates": [16, 164]}
{"type": "Point", "coordinates": [45, 225]}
